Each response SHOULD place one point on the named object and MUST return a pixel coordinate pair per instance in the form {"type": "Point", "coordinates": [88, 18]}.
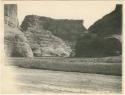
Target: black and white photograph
{"type": "Point", "coordinates": [62, 47]}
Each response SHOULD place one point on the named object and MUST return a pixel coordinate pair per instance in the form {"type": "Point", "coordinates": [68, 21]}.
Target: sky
{"type": "Point", "coordinates": [88, 11]}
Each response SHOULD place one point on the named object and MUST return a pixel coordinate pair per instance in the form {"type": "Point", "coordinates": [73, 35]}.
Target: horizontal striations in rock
{"type": "Point", "coordinates": [46, 44]}
{"type": "Point", "coordinates": [67, 30]}
{"type": "Point", "coordinates": [54, 37]}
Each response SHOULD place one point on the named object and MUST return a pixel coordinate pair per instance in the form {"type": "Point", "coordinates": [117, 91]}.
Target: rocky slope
{"type": "Point", "coordinates": [104, 37]}
{"type": "Point", "coordinates": [16, 44]}
{"type": "Point", "coordinates": [46, 29]}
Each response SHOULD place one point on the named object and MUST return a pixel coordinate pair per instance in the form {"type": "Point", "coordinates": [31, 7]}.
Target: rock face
{"type": "Point", "coordinates": [43, 36]}
{"type": "Point", "coordinates": [104, 37]}
{"type": "Point", "coordinates": [10, 15]}
{"type": "Point", "coordinates": [16, 44]}
{"type": "Point", "coordinates": [109, 24]}
{"type": "Point", "coordinates": [67, 30]}
{"type": "Point", "coordinates": [49, 37]}
{"type": "Point", "coordinates": [44, 43]}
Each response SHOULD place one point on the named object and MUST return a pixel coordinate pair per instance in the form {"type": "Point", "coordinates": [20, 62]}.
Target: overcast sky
{"type": "Point", "coordinates": [86, 10]}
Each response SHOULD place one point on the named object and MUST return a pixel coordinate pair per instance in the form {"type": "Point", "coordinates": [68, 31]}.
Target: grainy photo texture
{"type": "Point", "coordinates": [79, 52]}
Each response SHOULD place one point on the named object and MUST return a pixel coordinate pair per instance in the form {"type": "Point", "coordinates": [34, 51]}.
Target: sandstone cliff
{"type": "Point", "coordinates": [16, 44]}
{"type": "Point", "coordinates": [43, 42]}
{"type": "Point", "coordinates": [56, 35]}
{"type": "Point", "coordinates": [104, 37]}
{"type": "Point", "coordinates": [43, 36]}
{"type": "Point", "coordinates": [67, 30]}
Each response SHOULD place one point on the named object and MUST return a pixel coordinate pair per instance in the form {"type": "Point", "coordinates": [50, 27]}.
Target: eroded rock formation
{"type": "Point", "coordinates": [52, 36]}
{"type": "Point", "coordinates": [15, 42]}
{"type": "Point", "coordinates": [44, 43]}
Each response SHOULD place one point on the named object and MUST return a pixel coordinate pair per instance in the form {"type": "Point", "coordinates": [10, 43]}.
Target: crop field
{"type": "Point", "coordinates": [106, 65]}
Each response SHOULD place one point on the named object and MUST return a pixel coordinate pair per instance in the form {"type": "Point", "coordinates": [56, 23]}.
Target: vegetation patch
{"type": "Point", "coordinates": [108, 65]}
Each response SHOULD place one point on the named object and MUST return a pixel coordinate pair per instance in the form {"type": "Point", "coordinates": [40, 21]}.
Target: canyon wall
{"type": "Point", "coordinates": [64, 32]}
{"type": "Point", "coordinates": [104, 37]}
{"type": "Point", "coordinates": [43, 36]}
{"type": "Point", "coordinates": [15, 42]}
